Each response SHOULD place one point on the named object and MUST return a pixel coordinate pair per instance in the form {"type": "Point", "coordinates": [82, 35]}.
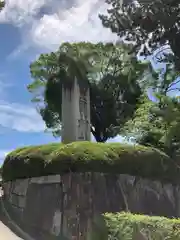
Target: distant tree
{"type": "Point", "coordinates": [156, 123]}
{"type": "Point", "coordinates": [114, 78]}
{"type": "Point", "coordinates": [150, 25]}
{"type": "Point", "coordinates": [145, 127]}
{"type": "Point", "coordinates": [2, 4]}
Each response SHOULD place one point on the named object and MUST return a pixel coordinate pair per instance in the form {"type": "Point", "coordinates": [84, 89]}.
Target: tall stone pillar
{"type": "Point", "coordinates": [75, 113]}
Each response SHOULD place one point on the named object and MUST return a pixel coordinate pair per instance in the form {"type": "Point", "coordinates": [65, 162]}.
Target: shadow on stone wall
{"type": "Point", "coordinates": [66, 204]}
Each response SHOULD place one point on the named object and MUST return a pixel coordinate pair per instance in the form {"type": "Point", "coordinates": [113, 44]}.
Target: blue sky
{"type": "Point", "coordinates": [28, 28]}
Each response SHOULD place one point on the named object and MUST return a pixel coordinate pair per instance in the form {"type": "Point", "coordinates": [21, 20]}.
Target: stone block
{"type": "Point", "coordinates": [7, 188]}
{"type": "Point", "coordinates": [21, 202]}
{"type": "Point", "coordinates": [56, 226]}
{"type": "Point", "coordinates": [46, 179]}
{"type": "Point", "coordinates": [20, 186]}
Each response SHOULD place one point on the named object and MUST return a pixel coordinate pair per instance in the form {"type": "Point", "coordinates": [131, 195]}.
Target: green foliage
{"type": "Point", "coordinates": [149, 24]}
{"type": "Point", "coordinates": [114, 77]}
{"type": "Point", "coordinates": [169, 112]}
{"type": "Point", "coordinates": [2, 4]}
{"type": "Point", "coordinates": [124, 226]}
{"type": "Point", "coordinates": [157, 123]}
{"type": "Point", "coordinates": [128, 226]}
{"type": "Point", "coordinates": [145, 127]}
{"type": "Point", "coordinates": [164, 81]}
{"type": "Point", "coordinates": [113, 158]}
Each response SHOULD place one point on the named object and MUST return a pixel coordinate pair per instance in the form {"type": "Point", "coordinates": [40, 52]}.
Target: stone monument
{"type": "Point", "coordinates": [75, 113]}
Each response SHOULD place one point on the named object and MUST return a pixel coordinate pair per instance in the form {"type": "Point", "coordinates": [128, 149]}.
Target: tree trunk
{"type": "Point", "coordinates": [99, 137]}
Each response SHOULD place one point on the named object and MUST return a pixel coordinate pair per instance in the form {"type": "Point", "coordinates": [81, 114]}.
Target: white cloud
{"type": "Point", "coordinates": [16, 116]}
{"type": "Point", "coordinates": [20, 117]}
{"type": "Point", "coordinates": [4, 85]}
{"type": "Point", "coordinates": [21, 48]}
{"type": "Point", "coordinates": [79, 23]}
{"type": "Point", "coordinates": [20, 12]}
{"type": "Point", "coordinates": [72, 21]}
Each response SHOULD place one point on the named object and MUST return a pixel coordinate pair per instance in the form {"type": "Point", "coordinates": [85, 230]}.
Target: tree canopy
{"type": "Point", "coordinates": [156, 123]}
{"type": "Point", "coordinates": [114, 76]}
{"type": "Point", "coordinates": [150, 25]}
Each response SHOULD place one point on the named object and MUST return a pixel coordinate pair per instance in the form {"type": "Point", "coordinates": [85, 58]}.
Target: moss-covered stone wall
{"type": "Point", "coordinates": [58, 189]}
{"type": "Point", "coordinates": [34, 161]}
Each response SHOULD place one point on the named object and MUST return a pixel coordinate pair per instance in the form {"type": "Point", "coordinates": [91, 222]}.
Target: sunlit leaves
{"type": "Point", "coordinates": [157, 123]}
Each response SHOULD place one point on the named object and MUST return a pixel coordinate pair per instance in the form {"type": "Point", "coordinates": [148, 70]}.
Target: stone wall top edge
{"type": "Point", "coordinates": [57, 178]}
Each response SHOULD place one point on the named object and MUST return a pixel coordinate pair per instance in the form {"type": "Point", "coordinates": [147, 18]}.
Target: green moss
{"type": "Point", "coordinates": [86, 157]}
{"type": "Point", "coordinates": [123, 226]}
{"type": "Point", "coordinates": [39, 149]}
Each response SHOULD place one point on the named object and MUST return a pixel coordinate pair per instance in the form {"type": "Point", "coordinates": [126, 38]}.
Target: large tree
{"type": "Point", "coordinates": [156, 123]}
{"type": "Point", "coordinates": [150, 25]}
{"type": "Point", "coordinates": [114, 78]}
